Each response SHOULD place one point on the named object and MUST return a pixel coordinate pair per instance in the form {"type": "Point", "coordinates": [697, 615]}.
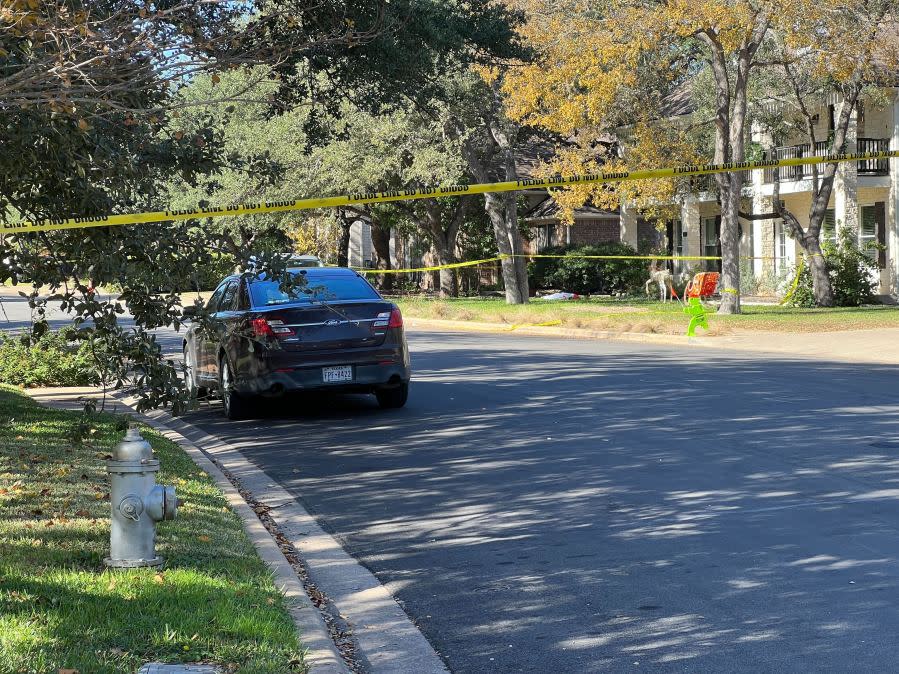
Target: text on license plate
{"type": "Point", "coordinates": [338, 373]}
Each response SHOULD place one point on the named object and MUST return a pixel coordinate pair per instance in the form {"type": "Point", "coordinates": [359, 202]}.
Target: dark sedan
{"type": "Point", "coordinates": [323, 329]}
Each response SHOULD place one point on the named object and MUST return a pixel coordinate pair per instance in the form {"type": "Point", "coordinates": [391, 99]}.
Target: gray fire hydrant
{"type": "Point", "coordinates": [138, 503]}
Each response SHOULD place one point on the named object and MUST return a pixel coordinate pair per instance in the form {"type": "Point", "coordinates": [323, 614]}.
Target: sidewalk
{"type": "Point", "coordinates": [879, 346]}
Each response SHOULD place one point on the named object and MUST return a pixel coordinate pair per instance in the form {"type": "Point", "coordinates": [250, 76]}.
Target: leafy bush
{"type": "Point", "coordinates": [852, 275]}
{"type": "Point", "coordinates": [51, 360]}
{"type": "Point", "coordinates": [586, 276]}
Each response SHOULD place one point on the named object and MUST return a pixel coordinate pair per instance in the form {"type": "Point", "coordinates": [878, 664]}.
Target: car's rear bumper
{"type": "Point", "coordinates": [365, 378]}
{"type": "Point", "coordinates": [281, 371]}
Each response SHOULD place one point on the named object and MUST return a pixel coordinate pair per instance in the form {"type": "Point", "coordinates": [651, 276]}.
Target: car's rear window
{"type": "Point", "coordinates": [264, 293]}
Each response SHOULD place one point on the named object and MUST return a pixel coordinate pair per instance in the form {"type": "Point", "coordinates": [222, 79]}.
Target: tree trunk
{"type": "Point", "coordinates": [810, 239]}
{"type": "Point", "coordinates": [497, 212]}
{"type": "Point", "coordinates": [380, 241]}
{"type": "Point", "coordinates": [520, 262]}
{"type": "Point", "coordinates": [504, 139]}
{"type": "Point", "coordinates": [444, 252]}
{"type": "Point", "coordinates": [731, 102]}
{"type": "Point", "coordinates": [820, 277]}
{"type": "Point", "coordinates": [729, 283]}
{"type": "Point", "coordinates": [495, 155]}
{"type": "Point", "coordinates": [343, 245]}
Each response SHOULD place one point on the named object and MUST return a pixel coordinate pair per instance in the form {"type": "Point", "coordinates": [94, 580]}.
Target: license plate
{"type": "Point", "coordinates": [336, 374]}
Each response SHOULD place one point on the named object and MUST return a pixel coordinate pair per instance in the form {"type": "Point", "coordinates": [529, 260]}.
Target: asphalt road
{"type": "Point", "coordinates": [16, 316]}
{"type": "Point", "coordinates": [567, 506]}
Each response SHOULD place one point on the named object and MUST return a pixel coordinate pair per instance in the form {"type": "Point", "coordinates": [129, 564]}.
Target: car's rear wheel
{"type": "Point", "coordinates": [234, 405]}
{"type": "Point", "coordinates": [393, 398]}
{"type": "Point", "coordinates": [190, 375]}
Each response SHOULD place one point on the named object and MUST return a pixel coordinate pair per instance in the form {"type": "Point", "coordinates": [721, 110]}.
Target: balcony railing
{"type": "Point", "coordinates": [868, 167]}
{"type": "Point", "coordinates": [874, 167]}
{"type": "Point", "coordinates": [704, 183]}
{"type": "Point", "coordinates": [707, 185]}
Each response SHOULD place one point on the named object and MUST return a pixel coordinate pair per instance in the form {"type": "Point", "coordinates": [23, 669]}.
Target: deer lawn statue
{"type": "Point", "coordinates": [661, 277]}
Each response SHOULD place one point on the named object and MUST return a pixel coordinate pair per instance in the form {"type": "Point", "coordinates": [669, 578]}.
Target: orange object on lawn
{"type": "Point", "coordinates": [704, 284]}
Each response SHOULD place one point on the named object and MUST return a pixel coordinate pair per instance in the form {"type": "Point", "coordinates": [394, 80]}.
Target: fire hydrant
{"type": "Point", "coordinates": [138, 503]}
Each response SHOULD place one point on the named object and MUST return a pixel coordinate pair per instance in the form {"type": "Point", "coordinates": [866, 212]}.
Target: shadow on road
{"type": "Point", "coordinates": [555, 505]}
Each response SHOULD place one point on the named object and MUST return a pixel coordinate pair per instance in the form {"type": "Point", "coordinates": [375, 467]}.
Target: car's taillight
{"type": "Point", "coordinates": [261, 328]}
{"type": "Point", "coordinates": [271, 327]}
{"type": "Point", "coordinates": [396, 319]}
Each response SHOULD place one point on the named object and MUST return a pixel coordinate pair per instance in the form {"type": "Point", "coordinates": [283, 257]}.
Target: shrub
{"type": "Point", "coordinates": [585, 276]}
{"type": "Point", "coordinates": [51, 360]}
{"type": "Point", "coordinates": [852, 275]}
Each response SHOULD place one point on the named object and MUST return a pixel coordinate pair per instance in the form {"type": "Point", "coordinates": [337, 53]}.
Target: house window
{"type": "Point", "coordinates": [711, 245]}
{"type": "Point", "coordinates": [546, 235]}
{"type": "Point", "coordinates": [829, 227]}
{"type": "Point", "coordinates": [675, 232]}
{"type": "Point", "coordinates": [780, 247]}
{"type": "Point", "coordinates": [749, 239]}
{"type": "Point", "coordinates": [867, 232]}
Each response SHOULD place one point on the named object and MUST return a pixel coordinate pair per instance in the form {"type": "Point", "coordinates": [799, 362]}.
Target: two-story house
{"type": "Point", "coordinates": [865, 200]}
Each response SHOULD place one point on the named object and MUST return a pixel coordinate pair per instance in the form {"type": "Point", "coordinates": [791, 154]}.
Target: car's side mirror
{"type": "Point", "coordinates": [190, 312]}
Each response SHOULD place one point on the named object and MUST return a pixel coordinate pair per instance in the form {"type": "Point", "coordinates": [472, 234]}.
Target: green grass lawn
{"type": "Point", "coordinates": [214, 601]}
{"type": "Point", "coordinates": [643, 315]}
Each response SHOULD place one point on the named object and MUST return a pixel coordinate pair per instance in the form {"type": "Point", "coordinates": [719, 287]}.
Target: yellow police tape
{"type": "Point", "coordinates": [795, 283]}
{"type": "Point", "coordinates": [426, 193]}
{"type": "Point", "coordinates": [498, 258]}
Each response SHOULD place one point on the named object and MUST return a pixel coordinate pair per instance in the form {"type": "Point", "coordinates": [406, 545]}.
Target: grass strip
{"type": "Point", "coordinates": [213, 602]}
{"type": "Point", "coordinates": [647, 316]}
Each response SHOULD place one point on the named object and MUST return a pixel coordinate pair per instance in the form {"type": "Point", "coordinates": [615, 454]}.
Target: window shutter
{"type": "Point", "coordinates": [880, 219]}
{"type": "Point", "coordinates": [717, 263]}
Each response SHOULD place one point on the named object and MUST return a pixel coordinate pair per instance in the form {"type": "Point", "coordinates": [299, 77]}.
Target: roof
{"type": "Point", "coordinates": [679, 101]}
{"type": "Point", "coordinates": [531, 155]}
{"type": "Point", "coordinates": [548, 209]}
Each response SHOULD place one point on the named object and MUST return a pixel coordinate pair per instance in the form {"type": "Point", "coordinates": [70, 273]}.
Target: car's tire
{"type": "Point", "coordinates": [234, 405]}
{"type": "Point", "coordinates": [190, 378]}
{"type": "Point", "coordinates": [393, 398]}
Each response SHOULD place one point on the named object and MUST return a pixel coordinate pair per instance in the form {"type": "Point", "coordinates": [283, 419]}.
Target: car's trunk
{"type": "Point", "coordinates": [339, 325]}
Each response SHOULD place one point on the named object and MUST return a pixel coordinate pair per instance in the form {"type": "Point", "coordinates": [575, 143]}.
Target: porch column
{"type": "Point", "coordinates": [891, 282]}
{"type": "Point", "coordinates": [689, 216]}
{"type": "Point", "coordinates": [751, 244]}
{"type": "Point", "coordinates": [763, 239]}
{"type": "Point", "coordinates": [845, 193]}
{"type": "Point", "coordinates": [360, 244]}
{"type": "Point", "coordinates": [627, 222]}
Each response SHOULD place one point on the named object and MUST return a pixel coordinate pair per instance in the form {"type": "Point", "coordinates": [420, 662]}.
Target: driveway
{"type": "Point", "coordinates": [574, 506]}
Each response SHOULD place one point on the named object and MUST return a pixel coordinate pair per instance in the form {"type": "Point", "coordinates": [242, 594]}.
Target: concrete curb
{"type": "Point", "coordinates": [321, 654]}
{"type": "Point", "coordinates": [384, 639]}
